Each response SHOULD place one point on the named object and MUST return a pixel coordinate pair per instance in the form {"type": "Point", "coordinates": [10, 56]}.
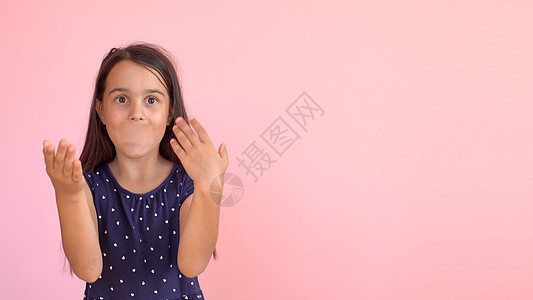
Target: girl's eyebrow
{"type": "Point", "coordinates": [121, 89]}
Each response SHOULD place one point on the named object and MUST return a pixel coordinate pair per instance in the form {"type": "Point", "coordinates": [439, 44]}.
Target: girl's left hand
{"type": "Point", "coordinates": [198, 155]}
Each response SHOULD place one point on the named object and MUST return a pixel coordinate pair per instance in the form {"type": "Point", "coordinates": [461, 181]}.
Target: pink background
{"type": "Point", "coordinates": [416, 183]}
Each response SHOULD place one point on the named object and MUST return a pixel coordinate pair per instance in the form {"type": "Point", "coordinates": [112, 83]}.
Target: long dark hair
{"type": "Point", "coordinates": [98, 148]}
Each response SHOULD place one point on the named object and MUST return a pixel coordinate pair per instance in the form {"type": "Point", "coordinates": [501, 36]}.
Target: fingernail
{"type": "Point", "coordinates": [191, 118]}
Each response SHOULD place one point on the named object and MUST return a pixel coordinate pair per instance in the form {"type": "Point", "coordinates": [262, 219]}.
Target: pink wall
{"type": "Point", "coordinates": [415, 183]}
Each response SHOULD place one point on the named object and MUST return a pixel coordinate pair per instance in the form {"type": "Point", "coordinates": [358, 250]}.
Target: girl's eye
{"type": "Point", "coordinates": [152, 100]}
{"type": "Point", "coordinates": [121, 99]}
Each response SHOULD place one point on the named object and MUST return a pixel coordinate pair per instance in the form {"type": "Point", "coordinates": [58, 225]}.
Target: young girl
{"type": "Point", "coordinates": [131, 225]}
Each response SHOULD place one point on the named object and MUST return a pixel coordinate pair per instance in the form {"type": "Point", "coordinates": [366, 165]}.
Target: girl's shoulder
{"type": "Point", "coordinates": [94, 175]}
{"type": "Point", "coordinates": [94, 171]}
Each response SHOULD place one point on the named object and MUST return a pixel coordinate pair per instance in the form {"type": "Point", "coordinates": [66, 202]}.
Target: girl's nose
{"type": "Point", "coordinates": [137, 112]}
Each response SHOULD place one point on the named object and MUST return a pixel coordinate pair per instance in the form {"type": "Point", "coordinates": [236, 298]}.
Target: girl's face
{"type": "Point", "coordinates": [135, 109]}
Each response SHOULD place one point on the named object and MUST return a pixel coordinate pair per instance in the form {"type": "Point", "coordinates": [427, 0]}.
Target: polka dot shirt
{"type": "Point", "coordinates": [139, 237]}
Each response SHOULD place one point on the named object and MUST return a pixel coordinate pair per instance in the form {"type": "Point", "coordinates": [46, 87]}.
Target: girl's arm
{"type": "Point", "coordinates": [199, 223]}
{"type": "Point", "coordinates": [79, 233]}
{"type": "Point", "coordinates": [200, 212]}
{"type": "Point", "coordinates": [77, 214]}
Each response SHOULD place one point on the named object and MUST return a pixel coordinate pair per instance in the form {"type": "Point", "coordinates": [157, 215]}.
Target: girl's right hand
{"type": "Point", "coordinates": [64, 170]}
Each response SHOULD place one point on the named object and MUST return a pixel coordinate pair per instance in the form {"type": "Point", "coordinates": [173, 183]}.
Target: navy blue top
{"type": "Point", "coordinates": [139, 237]}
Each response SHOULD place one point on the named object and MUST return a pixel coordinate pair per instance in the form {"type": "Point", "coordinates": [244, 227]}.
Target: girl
{"type": "Point", "coordinates": [131, 225]}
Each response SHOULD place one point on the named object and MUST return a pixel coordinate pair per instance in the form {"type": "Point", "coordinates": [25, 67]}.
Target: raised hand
{"type": "Point", "coordinates": [64, 170]}
{"type": "Point", "coordinates": [198, 154]}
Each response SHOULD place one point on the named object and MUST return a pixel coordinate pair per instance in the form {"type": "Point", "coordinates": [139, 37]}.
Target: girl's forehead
{"type": "Point", "coordinates": [131, 75]}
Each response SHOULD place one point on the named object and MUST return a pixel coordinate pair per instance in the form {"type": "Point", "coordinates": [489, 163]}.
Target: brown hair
{"type": "Point", "coordinates": [98, 148]}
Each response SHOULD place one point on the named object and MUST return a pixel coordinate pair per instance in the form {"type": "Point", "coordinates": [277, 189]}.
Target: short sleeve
{"type": "Point", "coordinates": [90, 180]}
{"type": "Point", "coordinates": [187, 186]}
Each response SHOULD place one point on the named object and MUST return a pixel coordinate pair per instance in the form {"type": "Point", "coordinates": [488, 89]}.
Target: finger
{"type": "Point", "coordinates": [202, 133]}
{"type": "Point", "coordinates": [69, 160]}
{"type": "Point", "coordinates": [187, 130]}
{"type": "Point", "coordinates": [77, 174]}
{"type": "Point", "coordinates": [177, 148]}
{"type": "Point", "coordinates": [48, 151]}
{"type": "Point", "coordinates": [60, 156]}
{"type": "Point", "coordinates": [180, 136]}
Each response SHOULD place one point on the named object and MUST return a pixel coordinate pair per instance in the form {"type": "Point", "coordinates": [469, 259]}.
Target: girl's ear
{"type": "Point", "coordinates": [99, 110]}
{"type": "Point", "coordinates": [169, 121]}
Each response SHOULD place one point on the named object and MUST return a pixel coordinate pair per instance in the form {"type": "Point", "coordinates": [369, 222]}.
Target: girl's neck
{"type": "Point", "coordinates": [140, 170]}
